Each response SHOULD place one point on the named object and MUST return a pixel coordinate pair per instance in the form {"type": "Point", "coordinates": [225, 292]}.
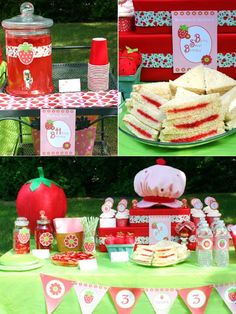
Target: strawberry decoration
{"type": "Point", "coordinates": [154, 226]}
{"type": "Point", "coordinates": [133, 53]}
{"type": "Point", "coordinates": [41, 194]}
{"type": "Point", "coordinates": [88, 297]}
{"type": "Point", "coordinates": [129, 61]}
{"type": "Point", "coordinates": [110, 239]}
{"type": "Point", "coordinates": [25, 53]}
{"type": "Point", "coordinates": [89, 246]}
{"type": "Point", "coordinates": [161, 161]}
{"type": "Point", "coordinates": [232, 294]}
{"type": "Point", "coordinates": [127, 66]}
{"type": "Point", "coordinates": [24, 235]}
{"type": "Point", "coordinates": [130, 238]}
{"type": "Point", "coordinates": [120, 238]}
{"type": "Point", "coordinates": [183, 32]}
{"type": "Point", "coordinates": [49, 125]}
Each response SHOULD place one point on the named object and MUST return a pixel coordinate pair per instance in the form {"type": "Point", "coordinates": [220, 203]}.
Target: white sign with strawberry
{"type": "Point", "coordinates": [25, 53]}
{"type": "Point", "coordinates": [89, 296]}
{"type": "Point", "coordinates": [194, 37]}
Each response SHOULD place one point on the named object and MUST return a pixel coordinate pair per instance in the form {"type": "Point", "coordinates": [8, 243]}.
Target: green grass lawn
{"type": "Point", "coordinates": [92, 207]}
{"type": "Point", "coordinates": [74, 34]}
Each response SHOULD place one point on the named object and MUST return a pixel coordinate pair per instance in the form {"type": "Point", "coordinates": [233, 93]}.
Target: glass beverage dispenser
{"type": "Point", "coordinates": [29, 53]}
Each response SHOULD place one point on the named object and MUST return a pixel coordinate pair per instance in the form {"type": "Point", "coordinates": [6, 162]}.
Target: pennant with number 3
{"type": "Point", "coordinates": [125, 298]}
{"type": "Point", "coordinates": [196, 298]}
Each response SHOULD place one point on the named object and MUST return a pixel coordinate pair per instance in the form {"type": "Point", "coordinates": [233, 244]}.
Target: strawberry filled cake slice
{"type": "Point", "coordinates": [140, 129]}
{"type": "Point", "coordinates": [191, 119]}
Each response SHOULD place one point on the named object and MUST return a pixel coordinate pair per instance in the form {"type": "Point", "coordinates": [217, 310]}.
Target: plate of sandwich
{"type": "Point", "coordinates": [164, 253]}
{"type": "Point", "coordinates": [197, 108]}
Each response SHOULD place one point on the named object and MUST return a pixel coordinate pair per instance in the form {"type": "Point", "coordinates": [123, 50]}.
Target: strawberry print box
{"type": "Point", "coordinates": [140, 231]}
{"type": "Point", "coordinates": [140, 234]}
{"type": "Point", "coordinates": [157, 54]}
{"type": "Point", "coordinates": [154, 16]}
{"type": "Point", "coordinates": [140, 217]}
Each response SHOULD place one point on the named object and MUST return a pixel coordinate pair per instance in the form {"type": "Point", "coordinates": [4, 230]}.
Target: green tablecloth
{"type": "Point", "coordinates": [130, 147]}
{"type": "Point", "coordinates": [22, 292]}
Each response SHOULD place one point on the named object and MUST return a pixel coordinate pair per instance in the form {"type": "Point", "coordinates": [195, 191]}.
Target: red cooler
{"type": "Point", "coordinates": [29, 53]}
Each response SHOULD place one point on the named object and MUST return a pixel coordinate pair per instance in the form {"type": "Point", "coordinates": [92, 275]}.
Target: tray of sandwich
{"type": "Point", "coordinates": [164, 253]}
{"type": "Point", "coordinates": [197, 108]}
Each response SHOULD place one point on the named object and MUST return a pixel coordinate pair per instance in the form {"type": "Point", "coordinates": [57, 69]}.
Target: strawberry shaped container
{"type": "Point", "coordinates": [29, 53]}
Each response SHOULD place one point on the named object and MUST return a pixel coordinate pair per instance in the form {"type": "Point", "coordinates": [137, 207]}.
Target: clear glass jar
{"type": "Point", "coordinates": [29, 53]}
{"type": "Point", "coordinates": [21, 236]}
{"type": "Point", "coordinates": [43, 233]}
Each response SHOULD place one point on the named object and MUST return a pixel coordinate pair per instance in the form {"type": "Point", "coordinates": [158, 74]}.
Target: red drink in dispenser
{"type": "Point", "coordinates": [43, 233]}
{"type": "Point", "coordinates": [29, 53]}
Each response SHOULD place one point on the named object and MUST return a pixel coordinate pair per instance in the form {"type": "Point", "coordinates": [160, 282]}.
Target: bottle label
{"type": "Point", "coordinates": [205, 244]}
{"type": "Point", "coordinates": [46, 239]}
{"type": "Point", "coordinates": [221, 244]}
{"type": "Point", "coordinates": [24, 235]}
{"type": "Point", "coordinates": [27, 53]}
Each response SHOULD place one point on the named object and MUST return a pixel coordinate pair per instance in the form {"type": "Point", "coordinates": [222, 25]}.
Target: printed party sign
{"type": "Point", "coordinates": [57, 132]}
{"type": "Point", "coordinates": [161, 299]}
{"type": "Point", "coordinates": [194, 35]}
{"type": "Point", "coordinates": [228, 294]}
{"type": "Point", "coordinates": [89, 296]}
{"type": "Point", "coordinates": [54, 290]}
{"type": "Point", "coordinates": [125, 298]}
{"type": "Point", "coordinates": [196, 298]}
{"type": "Point", "coordinates": [159, 228]}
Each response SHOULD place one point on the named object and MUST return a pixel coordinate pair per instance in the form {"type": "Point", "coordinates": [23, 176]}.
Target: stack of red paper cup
{"type": "Point", "coordinates": [98, 67]}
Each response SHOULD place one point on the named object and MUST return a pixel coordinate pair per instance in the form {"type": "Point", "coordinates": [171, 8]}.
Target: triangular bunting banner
{"type": "Point", "coordinates": [89, 296]}
{"type": "Point", "coordinates": [125, 298]}
{"type": "Point", "coordinates": [161, 299]}
{"type": "Point", "coordinates": [228, 294]}
{"type": "Point", "coordinates": [196, 298]}
{"type": "Point", "coordinates": [54, 290]}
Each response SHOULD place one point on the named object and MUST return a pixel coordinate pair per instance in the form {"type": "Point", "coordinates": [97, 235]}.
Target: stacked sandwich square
{"type": "Point", "coordinates": [163, 253]}
{"type": "Point", "coordinates": [197, 105]}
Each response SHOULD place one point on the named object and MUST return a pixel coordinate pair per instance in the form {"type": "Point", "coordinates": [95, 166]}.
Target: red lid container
{"type": "Point", "coordinates": [29, 53]}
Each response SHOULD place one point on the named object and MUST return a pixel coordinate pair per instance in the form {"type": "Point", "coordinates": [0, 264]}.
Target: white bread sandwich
{"type": "Point", "coordinates": [160, 88]}
{"type": "Point", "coordinates": [140, 129]}
{"type": "Point", "coordinates": [193, 80]}
{"type": "Point", "coordinates": [217, 82]}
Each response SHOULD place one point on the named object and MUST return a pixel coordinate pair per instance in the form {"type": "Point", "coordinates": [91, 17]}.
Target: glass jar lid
{"type": "Point", "coordinates": [43, 219]}
{"type": "Point", "coordinates": [21, 222]}
{"type": "Point", "coordinates": [27, 19]}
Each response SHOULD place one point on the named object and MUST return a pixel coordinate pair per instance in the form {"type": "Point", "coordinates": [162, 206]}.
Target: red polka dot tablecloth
{"type": "Point", "coordinates": [60, 100]}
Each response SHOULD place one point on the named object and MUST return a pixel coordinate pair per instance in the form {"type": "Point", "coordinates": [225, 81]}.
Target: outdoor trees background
{"type": "Point", "coordinates": [101, 177]}
{"type": "Point", "coordinates": [65, 11]}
